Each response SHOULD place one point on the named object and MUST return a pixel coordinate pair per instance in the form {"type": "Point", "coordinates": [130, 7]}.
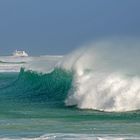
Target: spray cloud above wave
{"type": "Point", "coordinates": [106, 76]}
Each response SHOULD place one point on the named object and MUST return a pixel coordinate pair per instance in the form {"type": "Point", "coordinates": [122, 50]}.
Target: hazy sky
{"type": "Point", "coordinates": [59, 26]}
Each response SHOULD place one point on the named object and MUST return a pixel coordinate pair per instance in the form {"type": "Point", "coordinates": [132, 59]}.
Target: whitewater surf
{"type": "Point", "coordinates": [87, 94]}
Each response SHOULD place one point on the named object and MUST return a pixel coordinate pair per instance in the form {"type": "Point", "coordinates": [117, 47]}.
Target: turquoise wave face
{"type": "Point", "coordinates": [32, 87]}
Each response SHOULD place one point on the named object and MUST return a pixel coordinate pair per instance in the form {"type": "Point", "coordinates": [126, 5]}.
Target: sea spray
{"type": "Point", "coordinates": [106, 77]}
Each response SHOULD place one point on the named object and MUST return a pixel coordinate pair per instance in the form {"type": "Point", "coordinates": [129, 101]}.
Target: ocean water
{"type": "Point", "coordinates": [78, 96]}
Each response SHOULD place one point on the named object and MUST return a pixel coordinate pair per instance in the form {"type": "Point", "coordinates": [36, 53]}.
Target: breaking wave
{"type": "Point", "coordinates": [98, 77]}
{"type": "Point", "coordinates": [106, 77]}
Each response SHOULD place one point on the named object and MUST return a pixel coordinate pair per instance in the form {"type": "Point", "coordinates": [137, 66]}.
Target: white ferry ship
{"type": "Point", "coordinates": [20, 53]}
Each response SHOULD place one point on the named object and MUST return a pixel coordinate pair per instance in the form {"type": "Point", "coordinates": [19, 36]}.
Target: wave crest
{"type": "Point", "coordinates": [105, 78]}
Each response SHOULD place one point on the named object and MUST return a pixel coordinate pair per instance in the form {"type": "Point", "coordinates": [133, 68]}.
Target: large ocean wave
{"type": "Point", "coordinates": [98, 77]}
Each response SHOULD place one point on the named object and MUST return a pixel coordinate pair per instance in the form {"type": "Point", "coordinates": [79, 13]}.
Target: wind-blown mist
{"type": "Point", "coordinates": [106, 76]}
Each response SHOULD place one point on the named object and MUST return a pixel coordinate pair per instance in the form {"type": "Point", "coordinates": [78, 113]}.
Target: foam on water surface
{"type": "Point", "coordinates": [70, 136]}
{"type": "Point", "coordinates": [40, 63]}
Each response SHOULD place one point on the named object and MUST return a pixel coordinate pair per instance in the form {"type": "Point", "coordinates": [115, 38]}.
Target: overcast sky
{"type": "Point", "coordinates": [59, 26]}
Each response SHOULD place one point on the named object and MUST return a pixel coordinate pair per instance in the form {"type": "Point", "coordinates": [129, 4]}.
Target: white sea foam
{"type": "Point", "coordinates": [72, 136]}
{"type": "Point", "coordinates": [13, 64]}
{"type": "Point", "coordinates": [107, 77]}
{"type": "Point", "coordinates": [40, 64]}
